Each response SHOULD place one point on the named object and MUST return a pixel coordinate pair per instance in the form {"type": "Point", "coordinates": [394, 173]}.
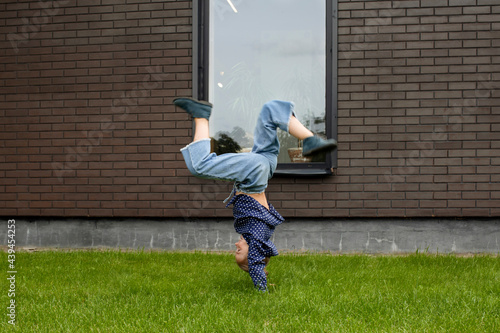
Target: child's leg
{"type": "Point", "coordinates": [296, 129]}
{"type": "Point", "coordinates": [279, 114]}
{"type": "Point", "coordinates": [201, 129]}
{"type": "Point", "coordinates": [276, 114]}
{"type": "Point", "coordinates": [248, 171]}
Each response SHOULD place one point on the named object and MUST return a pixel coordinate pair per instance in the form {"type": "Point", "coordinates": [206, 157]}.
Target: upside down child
{"type": "Point", "coordinates": [255, 218]}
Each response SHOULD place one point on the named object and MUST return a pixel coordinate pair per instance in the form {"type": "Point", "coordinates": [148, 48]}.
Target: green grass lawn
{"type": "Point", "coordinates": [141, 291]}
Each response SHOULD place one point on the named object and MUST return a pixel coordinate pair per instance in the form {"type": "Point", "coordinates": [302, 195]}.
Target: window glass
{"type": "Point", "coordinates": [261, 50]}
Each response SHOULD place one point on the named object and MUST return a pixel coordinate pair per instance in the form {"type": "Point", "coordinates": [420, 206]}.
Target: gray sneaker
{"type": "Point", "coordinates": [314, 145]}
{"type": "Point", "coordinates": [196, 108]}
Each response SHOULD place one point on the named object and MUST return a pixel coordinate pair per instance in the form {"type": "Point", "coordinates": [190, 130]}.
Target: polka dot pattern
{"type": "Point", "coordinates": [256, 223]}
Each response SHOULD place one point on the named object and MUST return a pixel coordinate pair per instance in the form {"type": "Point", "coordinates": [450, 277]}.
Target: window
{"type": "Point", "coordinates": [247, 52]}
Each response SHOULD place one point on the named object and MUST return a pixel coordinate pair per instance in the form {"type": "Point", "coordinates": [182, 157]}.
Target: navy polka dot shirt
{"type": "Point", "coordinates": [256, 224]}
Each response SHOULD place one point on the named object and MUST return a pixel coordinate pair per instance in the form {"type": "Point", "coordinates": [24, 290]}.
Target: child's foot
{"type": "Point", "coordinates": [197, 109]}
{"type": "Point", "coordinates": [314, 145]}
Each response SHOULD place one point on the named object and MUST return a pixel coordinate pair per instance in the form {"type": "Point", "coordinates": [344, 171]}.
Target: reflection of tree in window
{"type": "Point", "coordinates": [229, 142]}
{"type": "Point", "coordinates": [225, 145]}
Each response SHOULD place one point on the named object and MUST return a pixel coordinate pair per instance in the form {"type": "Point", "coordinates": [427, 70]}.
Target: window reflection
{"type": "Point", "coordinates": [262, 50]}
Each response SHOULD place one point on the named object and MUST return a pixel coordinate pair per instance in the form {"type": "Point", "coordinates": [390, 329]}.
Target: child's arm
{"type": "Point", "coordinates": [258, 275]}
{"type": "Point", "coordinates": [256, 265]}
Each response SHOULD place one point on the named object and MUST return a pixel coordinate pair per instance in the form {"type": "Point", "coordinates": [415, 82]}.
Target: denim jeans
{"type": "Point", "coordinates": [250, 172]}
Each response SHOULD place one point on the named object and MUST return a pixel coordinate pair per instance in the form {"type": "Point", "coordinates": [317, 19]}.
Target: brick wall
{"type": "Point", "coordinates": [88, 128]}
{"type": "Point", "coordinates": [419, 108]}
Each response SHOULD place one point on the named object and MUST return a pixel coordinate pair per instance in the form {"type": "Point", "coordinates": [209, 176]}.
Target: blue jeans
{"type": "Point", "coordinates": [250, 172]}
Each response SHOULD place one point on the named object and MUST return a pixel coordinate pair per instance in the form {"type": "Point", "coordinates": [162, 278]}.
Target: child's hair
{"type": "Point", "coordinates": [244, 264]}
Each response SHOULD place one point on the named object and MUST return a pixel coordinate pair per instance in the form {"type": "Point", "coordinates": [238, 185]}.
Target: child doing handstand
{"type": "Point", "coordinates": [255, 218]}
